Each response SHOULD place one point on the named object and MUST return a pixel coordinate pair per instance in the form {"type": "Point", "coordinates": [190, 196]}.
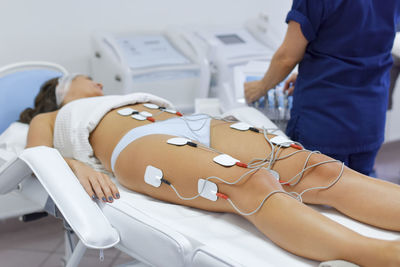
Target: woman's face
{"type": "Point", "coordinates": [83, 86]}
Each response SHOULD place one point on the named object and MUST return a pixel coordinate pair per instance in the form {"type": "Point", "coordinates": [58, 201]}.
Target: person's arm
{"type": "Point", "coordinates": [289, 54]}
{"type": "Point", "coordinates": [40, 131]}
{"type": "Point", "coordinates": [95, 183]}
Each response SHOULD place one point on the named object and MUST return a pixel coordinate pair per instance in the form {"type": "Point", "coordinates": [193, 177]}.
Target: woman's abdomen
{"type": "Point", "coordinates": [113, 127]}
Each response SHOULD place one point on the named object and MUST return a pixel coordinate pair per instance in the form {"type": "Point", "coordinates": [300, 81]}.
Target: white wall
{"type": "Point", "coordinates": [59, 30]}
{"type": "Point", "coordinates": [392, 132]}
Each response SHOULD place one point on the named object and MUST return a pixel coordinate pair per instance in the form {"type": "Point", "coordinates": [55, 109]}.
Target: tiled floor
{"type": "Point", "coordinates": [40, 243]}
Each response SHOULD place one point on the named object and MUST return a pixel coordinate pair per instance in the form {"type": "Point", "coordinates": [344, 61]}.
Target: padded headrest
{"type": "Point", "coordinates": [18, 91]}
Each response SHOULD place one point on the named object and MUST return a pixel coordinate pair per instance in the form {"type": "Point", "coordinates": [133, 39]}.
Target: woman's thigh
{"type": "Point", "coordinates": [183, 166]}
{"type": "Point", "coordinates": [247, 146]}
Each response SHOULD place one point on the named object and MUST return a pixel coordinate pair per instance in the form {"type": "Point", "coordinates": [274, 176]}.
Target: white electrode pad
{"type": "Point", "coordinates": [153, 176]}
{"type": "Point", "coordinates": [275, 174]}
{"type": "Point", "coordinates": [207, 189]}
{"type": "Point", "coordinates": [145, 114]}
{"type": "Point", "coordinates": [178, 141]}
{"type": "Point", "coordinates": [281, 141]}
{"type": "Point", "coordinates": [241, 126]}
{"type": "Point", "coordinates": [151, 106]}
{"type": "Point", "coordinates": [126, 111]}
{"type": "Point", "coordinates": [170, 111]}
{"type": "Point", "coordinates": [225, 160]}
{"type": "Point", "coordinates": [138, 117]}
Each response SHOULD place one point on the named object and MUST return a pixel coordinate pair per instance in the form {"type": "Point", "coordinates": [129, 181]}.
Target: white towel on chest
{"type": "Point", "coordinates": [76, 120]}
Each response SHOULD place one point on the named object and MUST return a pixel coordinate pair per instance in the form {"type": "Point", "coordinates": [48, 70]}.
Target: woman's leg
{"type": "Point", "coordinates": [290, 224]}
{"type": "Point", "coordinates": [369, 200]}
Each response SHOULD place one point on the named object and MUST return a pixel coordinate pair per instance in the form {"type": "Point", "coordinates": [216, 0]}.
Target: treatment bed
{"type": "Point", "coordinates": [153, 232]}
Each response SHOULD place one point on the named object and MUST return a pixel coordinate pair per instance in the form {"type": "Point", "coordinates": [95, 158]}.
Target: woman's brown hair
{"type": "Point", "coordinates": [45, 101]}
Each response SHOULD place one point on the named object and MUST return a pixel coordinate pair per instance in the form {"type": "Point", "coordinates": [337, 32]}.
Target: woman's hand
{"type": "Point", "coordinates": [289, 84]}
{"type": "Point", "coordinates": [96, 184]}
{"type": "Point", "coordinates": [253, 90]}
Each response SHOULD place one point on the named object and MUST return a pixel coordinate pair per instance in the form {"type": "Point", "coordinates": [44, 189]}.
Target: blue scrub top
{"type": "Point", "coordinates": [341, 92]}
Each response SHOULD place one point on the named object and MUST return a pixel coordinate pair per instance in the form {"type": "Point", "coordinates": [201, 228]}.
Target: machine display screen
{"type": "Point", "coordinates": [229, 39]}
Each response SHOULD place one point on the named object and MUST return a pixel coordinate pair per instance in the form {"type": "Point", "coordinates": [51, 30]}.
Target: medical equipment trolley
{"type": "Point", "coordinates": [229, 46]}
{"type": "Point", "coordinates": [165, 64]}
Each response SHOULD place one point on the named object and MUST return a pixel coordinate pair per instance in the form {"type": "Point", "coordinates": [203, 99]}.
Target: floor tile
{"type": "Point", "coordinates": [122, 258]}
{"type": "Point", "coordinates": [42, 235]}
{"type": "Point", "coordinates": [118, 259]}
{"type": "Point", "coordinates": [108, 253]}
{"type": "Point", "coordinates": [22, 258]}
{"type": "Point", "coordinates": [56, 260]}
{"type": "Point", "coordinates": [14, 224]}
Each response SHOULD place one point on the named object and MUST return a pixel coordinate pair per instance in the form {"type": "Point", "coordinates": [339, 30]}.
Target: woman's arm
{"type": "Point", "coordinates": [289, 54]}
{"type": "Point", "coordinates": [41, 131]}
{"type": "Point", "coordinates": [95, 183]}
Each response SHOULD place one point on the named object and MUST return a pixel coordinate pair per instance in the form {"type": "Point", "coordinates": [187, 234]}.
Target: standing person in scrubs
{"type": "Point", "coordinates": [344, 53]}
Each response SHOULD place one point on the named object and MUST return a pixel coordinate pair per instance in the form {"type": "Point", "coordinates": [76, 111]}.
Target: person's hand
{"type": "Point", "coordinates": [253, 91]}
{"type": "Point", "coordinates": [289, 84]}
{"type": "Point", "coordinates": [96, 184]}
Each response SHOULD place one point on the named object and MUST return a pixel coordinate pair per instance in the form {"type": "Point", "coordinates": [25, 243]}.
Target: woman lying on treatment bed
{"type": "Point", "coordinates": [97, 134]}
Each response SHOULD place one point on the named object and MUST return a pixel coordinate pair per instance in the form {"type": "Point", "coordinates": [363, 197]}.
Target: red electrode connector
{"type": "Point", "coordinates": [222, 195]}
{"type": "Point", "coordinates": [284, 183]}
{"type": "Point", "coordinates": [296, 146]}
{"type": "Point", "coordinates": [241, 164]}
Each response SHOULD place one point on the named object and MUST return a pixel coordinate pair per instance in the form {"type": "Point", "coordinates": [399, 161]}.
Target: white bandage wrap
{"type": "Point", "coordinates": [63, 87]}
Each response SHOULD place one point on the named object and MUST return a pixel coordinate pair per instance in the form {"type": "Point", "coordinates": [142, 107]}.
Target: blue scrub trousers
{"type": "Point", "coordinates": [362, 162]}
